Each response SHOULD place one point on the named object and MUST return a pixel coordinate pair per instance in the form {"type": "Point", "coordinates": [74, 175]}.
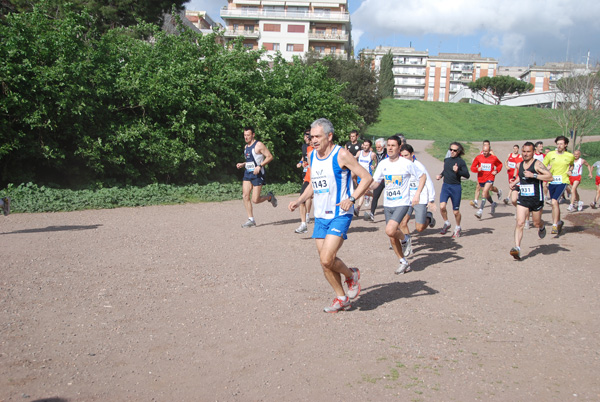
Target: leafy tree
{"type": "Point", "coordinates": [386, 76]}
{"type": "Point", "coordinates": [500, 86]}
{"type": "Point", "coordinates": [359, 85]}
{"type": "Point", "coordinates": [578, 104]}
{"type": "Point", "coordinates": [107, 14]}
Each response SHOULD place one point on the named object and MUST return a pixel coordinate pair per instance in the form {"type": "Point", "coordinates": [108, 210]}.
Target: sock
{"type": "Point", "coordinates": [447, 223]}
{"type": "Point", "coordinates": [251, 218]}
{"type": "Point", "coordinates": [343, 298]}
{"type": "Point", "coordinates": [482, 204]}
{"type": "Point", "coordinates": [307, 216]}
{"type": "Point", "coordinates": [403, 260]}
{"type": "Point", "coordinates": [458, 228]}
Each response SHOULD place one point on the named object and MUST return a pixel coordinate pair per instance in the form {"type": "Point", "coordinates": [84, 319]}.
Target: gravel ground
{"type": "Point", "coordinates": [179, 303]}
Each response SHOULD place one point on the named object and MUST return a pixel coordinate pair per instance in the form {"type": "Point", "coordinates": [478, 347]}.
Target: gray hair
{"type": "Point", "coordinates": [380, 141]}
{"type": "Point", "coordinates": [324, 124]}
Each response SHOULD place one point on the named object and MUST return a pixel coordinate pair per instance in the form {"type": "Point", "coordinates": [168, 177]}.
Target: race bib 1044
{"type": "Point", "coordinates": [393, 194]}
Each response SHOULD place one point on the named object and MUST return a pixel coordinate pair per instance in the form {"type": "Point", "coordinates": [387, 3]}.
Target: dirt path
{"type": "Point", "coordinates": [180, 303]}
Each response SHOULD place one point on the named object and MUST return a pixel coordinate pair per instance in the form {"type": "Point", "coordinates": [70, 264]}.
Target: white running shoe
{"type": "Point", "coordinates": [456, 233]}
{"type": "Point", "coordinates": [403, 268]}
{"type": "Point", "coordinates": [499, 194]}
{"type": "Point", "coordinates": [445, 228]}
{"type": "Point", "coordinates": [407, 246]}
{"type": "Point", "coordinates": [580, 206]}
{"type": "Point", "coordinates": [479, 213]}
{"type": "Point", "coordinates": [338, 305]}
{"type": "Point", "coordinates": [353, 285]}
{"type": "Point", "coordinates": [302, 228]}
{"type": "Point", "coordinates": [249, 223]}
{"type": "Point", "coordinates": [570, 208]}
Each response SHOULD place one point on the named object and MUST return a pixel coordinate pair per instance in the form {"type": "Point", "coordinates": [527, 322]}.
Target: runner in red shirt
{"type": "Point", "coordinates": [512, 161]}
{"type": "Point", "coordinates": [486, 166]}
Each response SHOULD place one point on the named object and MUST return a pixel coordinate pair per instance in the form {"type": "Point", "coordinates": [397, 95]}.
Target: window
{"type": "Point", "coordinates": [333, 49]}
{"type": "Point", "coordinates": [249, 28]}
{"type": "Point", "coordinates": [320, 31]}
{"type": "Point", "coordinates": [320, 49]}
{"type": "Point", "coordinates": [301, 11]}
{"type": "Point", "coordinates": [236, 27]}
{"type": "Point", "coordinates": [275, 46]}
{"type": "Point", "coordinates": [334, 31]}
{"type": "Point", "coordinates": [296, 28]}
{"type": "Point", "coordinates": [289, 47]}
{"type": "Point", "coordinates": [272, 28]}
{"type": "Point", "coordinates": [248, 46]}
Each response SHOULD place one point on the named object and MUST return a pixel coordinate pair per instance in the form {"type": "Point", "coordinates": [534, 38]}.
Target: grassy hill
{"type": "Point", "coordinates": [463, 121]}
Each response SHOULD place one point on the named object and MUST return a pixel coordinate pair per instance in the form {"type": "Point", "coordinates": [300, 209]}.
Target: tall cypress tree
{"type": "Point", "coordinates": [386, 76]}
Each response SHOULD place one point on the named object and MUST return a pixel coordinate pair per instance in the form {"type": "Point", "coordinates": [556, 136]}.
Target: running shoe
{"type": "Point", "coordinates": [506, 201]}
{"type": "Point", "coordinates": [445, 228]}
{"type": "Point", "coordinates": [526, 225]}
{"type": "Point", "coordinates": [542, 232]}
{"type": "Point", "coordinates": [593, 205]}
{"type": "Point", "coordinates": [474, 204]}
{"type": "Point", "coordinates": [554, 229]}
{"type": "Point", "coordinates": [431, 221]}
{"type": "Point", "coordinates": [249, 223]}
{"type": "Point", "coordinates": [6, 206]}
{"type": "Point", "coordinates": [407, 246]}
{"type": "Point", "coordinates": [570, 208]}
{"type": "Point", "coordinates": [356, 212]}
{"type": "Point", "coordinates": [338, 305]}
{"type": "Point", "coordinates": [499, 194]}
{"type": "Point", "coordinates": [456, 233]}
{"type": "Point", "coordinates": [559, 227]}
{"type": "Point", "coordinates": [403, 268]}
{"type": "Point", "coordinates": [307, 219]}
{"type": "Point", "coordinates": [493, 208]}
{"type": "Point", "coordinates": [580, 206]}
{"type": "Point", "coordinates": [548, 201]}
{"type": "Point", "coordinates": [353, 285]}
{"type": "Point", "coordinates": [479, 213]}
{"type": "Point", "coordinates": [302, 228]}
{"type": "Point", "coordinates": [516, 253]}
{"type": "Point", "coordinates": [272, 199]}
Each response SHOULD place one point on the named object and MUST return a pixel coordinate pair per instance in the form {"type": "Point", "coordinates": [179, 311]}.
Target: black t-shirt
{"type": "Point", "coordinates": [353, 148]}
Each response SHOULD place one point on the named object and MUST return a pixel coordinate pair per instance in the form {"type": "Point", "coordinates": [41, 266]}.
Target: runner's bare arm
{"type": "Point", "coordinates": [263, 150]}
{"type": "Point", "coordinates": [542, 171]}
{"type": "Point", "coordinates": [345, 159]}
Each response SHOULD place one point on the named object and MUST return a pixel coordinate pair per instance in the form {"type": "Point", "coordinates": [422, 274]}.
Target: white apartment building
{"type": "Point", "coordinates": [291, 27]}
{"type": "Point", "coordinates": [409, 69]}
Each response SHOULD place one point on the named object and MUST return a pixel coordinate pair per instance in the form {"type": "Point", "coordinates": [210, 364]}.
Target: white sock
{"type": "Point", "coordinates": [343, 298]}
{"type": "Point", "coordinates": [458, 228]}
{"type": "Point", "coordinates": [447, 223]}
{"type": "Point", "coordinates": [251, 218]}
{"type": "Point", "coordinates": [403, 260]}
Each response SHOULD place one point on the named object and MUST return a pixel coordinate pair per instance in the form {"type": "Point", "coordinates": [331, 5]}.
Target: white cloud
{"type": "Point", "coordinates": [516, 28]}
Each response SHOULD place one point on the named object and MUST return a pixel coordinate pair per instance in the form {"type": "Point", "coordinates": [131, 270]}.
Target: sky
{"type": "Point", "coordinates": [515, 32]}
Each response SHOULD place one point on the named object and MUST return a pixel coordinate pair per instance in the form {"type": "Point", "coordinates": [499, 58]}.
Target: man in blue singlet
{"type": "Point", "coordinates": [257, 157]}
{"type": "Point", "coordinates": [333, 205]}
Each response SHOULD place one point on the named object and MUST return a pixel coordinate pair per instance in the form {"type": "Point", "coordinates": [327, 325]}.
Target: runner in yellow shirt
{"type": "Point", "coordinates": [559, 163]}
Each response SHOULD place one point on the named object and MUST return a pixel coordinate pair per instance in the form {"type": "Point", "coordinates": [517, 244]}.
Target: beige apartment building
{"type": "Point", "coordinates": [448, 73]}
{"type": "Point", "coordinates": [544, 78]}
{"type": "Point", "coordinates": [291, 27]}
{"type": "Point", "coordinates": [419, 76]}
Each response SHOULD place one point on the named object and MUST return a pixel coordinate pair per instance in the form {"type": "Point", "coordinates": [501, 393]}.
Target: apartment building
{"type": "Point", "coordinates": [448, 73]}
{"type": "Point", "coordinates": [291, 27]}
{"type": "Point", "coordinates": [201, 20]}
{"type": "Point", "coordinates": [544, 78]}
{"type": "Point", "coordinates": [419, 76]}
{"type": "Point", "coordinates": [409, 69]}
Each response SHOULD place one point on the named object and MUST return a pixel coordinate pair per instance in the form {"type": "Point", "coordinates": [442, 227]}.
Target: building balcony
{"type": "Point", "coordinates": [234, 33]}
{"type": "Point", "coordinates": [409, 63]}
{"type": "Point", "coordinates": [328, 37]}
{"type": "Point", "coordinates": [285, 15]}
{"type": "Point", "coordinates": [339, 55]}
{"type": "Point", "coordinates": [412, 73]}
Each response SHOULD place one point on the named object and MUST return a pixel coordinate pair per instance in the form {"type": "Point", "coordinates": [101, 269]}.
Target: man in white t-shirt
{"type": "Point", "coordinates": [397, 173]}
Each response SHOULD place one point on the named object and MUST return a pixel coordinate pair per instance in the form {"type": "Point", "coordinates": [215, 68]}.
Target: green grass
{"type": "Point", "coordinates": [449, 122]}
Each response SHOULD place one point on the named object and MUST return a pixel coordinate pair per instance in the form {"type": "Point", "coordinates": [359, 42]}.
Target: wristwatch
{"type": "Point", "coordinates": [352, 199]}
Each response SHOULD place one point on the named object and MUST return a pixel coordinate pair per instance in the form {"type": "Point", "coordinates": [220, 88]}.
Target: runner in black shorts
{"type": "Point", "coordinates": [531, 174]}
